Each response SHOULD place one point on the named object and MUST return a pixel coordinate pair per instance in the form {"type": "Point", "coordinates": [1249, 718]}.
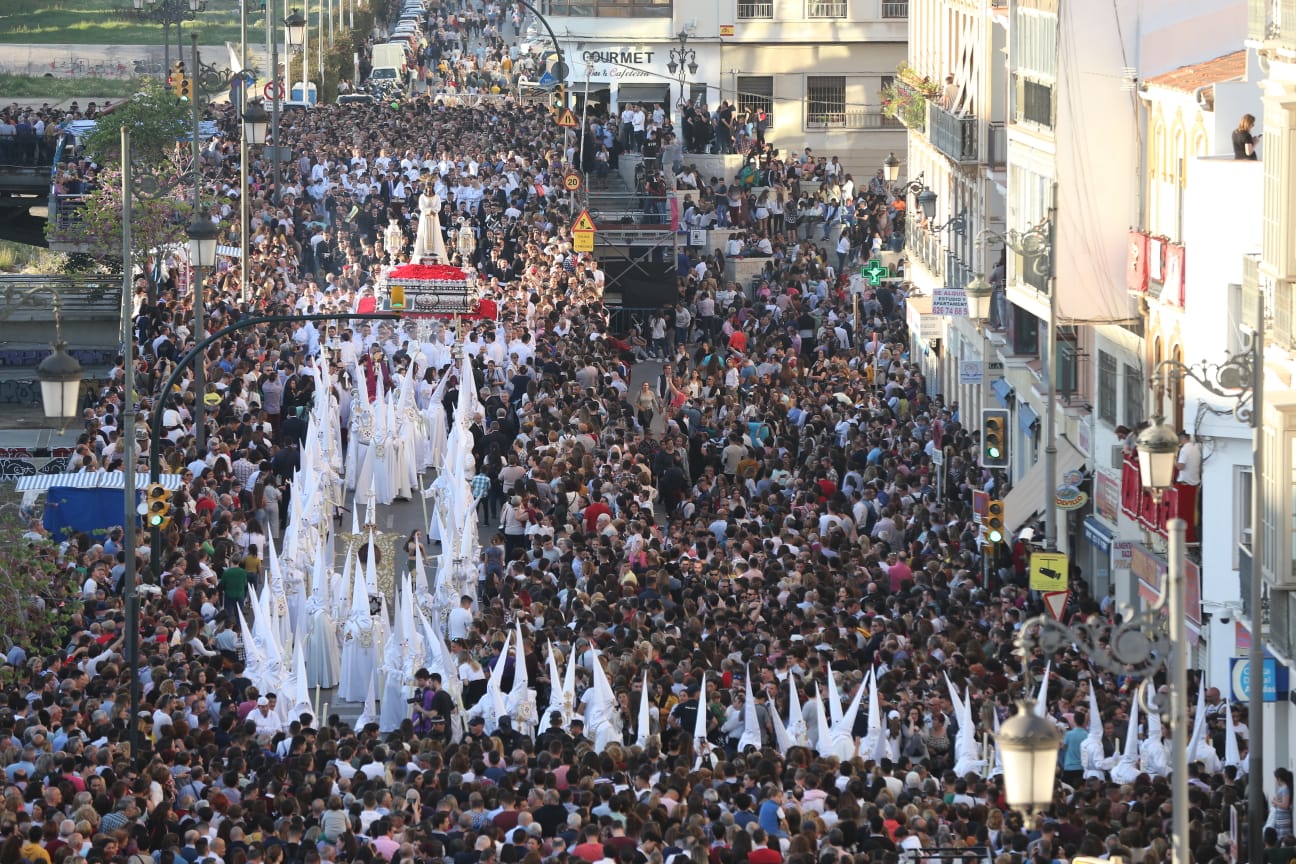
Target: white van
{"type": "Point", "coordinates": [392, 55]}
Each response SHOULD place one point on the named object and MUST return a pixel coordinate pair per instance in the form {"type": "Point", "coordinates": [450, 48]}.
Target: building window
{"type": "Point", "coordinates": [826, 100]}
{"type": "Point", "coordinates": [1068, 371]}
{"type": "Point", "coordinates": [825, 8]}
{"type": "Point", "coordinates": [748, 11]}
{"type": "Point", "coordinates": [1034, 102]}
{"type": "Point", "coordinates": [756, 92]}
{"type": "Point", "coordinates": [1024, 333]}
{"type": "Point", "coordinates": [895, 8]}
{"type": "Point", "coordinates": [1133, 396]}
{"type": "Point", "coordinates": [1106, 387]}
{"type": "Point", "coordinates": [1242, 526]}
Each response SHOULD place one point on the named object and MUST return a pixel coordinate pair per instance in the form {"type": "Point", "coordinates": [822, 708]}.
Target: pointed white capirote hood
{"type": "Point", "coordinates": [751, 736]}
{"type": "Point", "coordinates": [845, 724]}
{"type": "Point", "coordinates": [299, 691]}
{"type": "Point", "coordinates": [1126, 770]}
{"type": "Point", "coordinates": [359, 594]}
{"type": "Point", "coordinates": [834, 701]}
{"type": "Point", "coordinates": [955, 699]}
{"type": "Point", "coordinates": [370, 712]}
{"type": "Point", "coordinates": [823, 746]}
{"type": "Point", "coordinates": [796, 725]}
{"type": "Point", "coordinates": [371, 568]}
{"type": "Point", "coordinates": [700, 720]}
{"type": "Point", "coordinates": [1041, 700]}
{"type": "Point", "coordinates": [645, 715]}
{"type": "Point", "coordinates": [1095, 718]}
{"type": "Point", "coordinates": [1232, 756]}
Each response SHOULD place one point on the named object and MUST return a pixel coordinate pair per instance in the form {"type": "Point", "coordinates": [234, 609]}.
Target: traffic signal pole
{"type": "Point", "coordinates": [129, 452]}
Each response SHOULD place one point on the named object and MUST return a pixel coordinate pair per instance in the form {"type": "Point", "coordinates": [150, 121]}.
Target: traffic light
{"type": "Point", "coordinates": [994, 438]}
{"type": "Point", "coordinates": [157, 507]}
{"type": "Point", "coordinates": [176, 79]}
{"type": "Point", "coordinates": [396, 298]}
{"type": "Point", "coordinates": [994, 532]}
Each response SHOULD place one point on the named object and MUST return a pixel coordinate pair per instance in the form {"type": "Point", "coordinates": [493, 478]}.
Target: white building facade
{"type": "Point", "coordinates": [817, 67]}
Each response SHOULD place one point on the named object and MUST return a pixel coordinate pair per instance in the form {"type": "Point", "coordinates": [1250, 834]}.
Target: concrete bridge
{"type": "Point", "coordinates": [91, 317]}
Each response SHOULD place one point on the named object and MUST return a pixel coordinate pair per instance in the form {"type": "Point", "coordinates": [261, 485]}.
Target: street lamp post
{"type": "Point", "coordinates": [682, 59]}
{"type": "Point", "coordinates": [294, 33]}
{"type": "Point", "coordinates": [1139, 647]}
{"type": "Point", "coordinates": [255, 122]}
{"type": "Point", "coordinates": [1239, 377]}
{"type": "Point", "coordinates": [166, 13]}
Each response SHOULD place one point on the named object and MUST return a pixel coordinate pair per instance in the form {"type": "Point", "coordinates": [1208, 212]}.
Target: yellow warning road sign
{"type": "Point", "coordinates": [582, 241]}
{"type": "Point", "coordinates": [1048, 571]}
{"type": "Point", "coordinates": [583, 222]}
{"type": "Point", "coordinates": [567, 119]}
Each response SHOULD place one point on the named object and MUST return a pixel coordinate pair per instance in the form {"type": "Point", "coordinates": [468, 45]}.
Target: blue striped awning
{"type": "Point", "coordinates": [1026, 418]}
{"type": "Point", "coordinates": [1098, 534]}
{"type": "Point", "coordinates": [1002, 390]}
{"type": "Point", "coordinates": [92, 480]}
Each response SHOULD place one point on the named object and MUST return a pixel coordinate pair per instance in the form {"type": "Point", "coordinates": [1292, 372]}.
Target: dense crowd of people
{"type": "Point", "coordinates": [762, 509]}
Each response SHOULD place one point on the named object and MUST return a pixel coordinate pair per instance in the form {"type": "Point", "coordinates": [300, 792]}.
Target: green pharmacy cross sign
{"type": "Point", "coordinates": [875, 272]}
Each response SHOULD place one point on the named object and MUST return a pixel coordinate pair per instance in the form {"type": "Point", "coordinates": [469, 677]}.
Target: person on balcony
{"type": "Point", "coordinates": [1188, 467]}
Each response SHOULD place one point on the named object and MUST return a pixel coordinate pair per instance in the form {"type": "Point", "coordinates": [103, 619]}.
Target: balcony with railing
{"type": "Point", "coordinates": [952, 134]}
{"type": "Point", "coordinates": [957, 273]}
{"type": "Point", "coordinates": [1178, 502]}
{"type": "Point", "coordinates": [756, 11]}
{"type": "Point", "coordinates": [925, 247]}
{"type": "Point", "coordinates": [895, 8]}
{"type": "Point", "coordinates": [905, 105]}
{"type": "Point", "coordinates": [997, 145]}
{"type": "Point", "coordinates": [825, 8]}
{"type": "Point", "coordinates": [1272, 20]}
{"type": "Point", "coordinates": [820, 120]}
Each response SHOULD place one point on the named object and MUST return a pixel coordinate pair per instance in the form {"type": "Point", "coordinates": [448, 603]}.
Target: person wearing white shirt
{"type": "Point", "coordinates": [461, 620]}
{"type": "Point", "coordinates": [266, 721]}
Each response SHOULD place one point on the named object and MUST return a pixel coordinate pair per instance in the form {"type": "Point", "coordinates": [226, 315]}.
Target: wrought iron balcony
{"type": "Point", "coordinates": [851, 120]}
{"type": "Point", "coordinates": [957, 273]}
{"type": "Point", "coordinates": [895, 8]}
{"type": "Point", "coordinates": [755, 11]}
{"type": "Point", "coordinates": [952, 134]}
{"type": "Point", "coordinates": [925, 246]}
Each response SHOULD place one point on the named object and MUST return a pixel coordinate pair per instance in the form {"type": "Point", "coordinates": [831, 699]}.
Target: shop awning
{"type": "Point", "coordinates": [1002, 390]}
{"type": "Point", "coordinates": [1026, 418]}
{"type": "Point", "coordinates": [1098, 534]}
{"type": "Point", "coordinates": [1027, 498]}
{"type": "Point", "coordinates": [91, 480]}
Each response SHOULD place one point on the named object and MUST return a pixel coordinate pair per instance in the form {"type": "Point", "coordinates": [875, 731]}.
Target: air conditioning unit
{"type": "Point", "coordinates": [1117, 456]}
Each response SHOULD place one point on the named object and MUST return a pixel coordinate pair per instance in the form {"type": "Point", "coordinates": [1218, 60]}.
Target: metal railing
{"type": "Point", "coordinates": [895, 8]}
{"type": "Point", "coordinates": [750, 11]}
{"type": "Point", "coordinates": [851, 120]}
{"type": "Point", "coordinates": [24, 297]}
{"type": "Point", "coordinates": [826, 8]}
{"type": "Point", "coordinates": [604, 9]}
{"type": "Point", "coordinates": [997, 144]}
{"type": "Point", "coordinates": [957, 273]}
{"type": "Point", "coordinates": [951, 134]}
{"type": "Point", "coordinates": [622, 318]}
{"type": "Point", "coordinates": [926, 247]}
{"type": "Point", "coordinates": [65, 211]}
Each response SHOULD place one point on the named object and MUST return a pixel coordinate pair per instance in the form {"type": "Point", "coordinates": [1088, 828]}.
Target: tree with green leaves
{"type": "Point", "coordinates": [157, 120]}
{"type": "Point", "coordinates": [40, 599]}
{"type": "Point", "coordinates": [158, 220]}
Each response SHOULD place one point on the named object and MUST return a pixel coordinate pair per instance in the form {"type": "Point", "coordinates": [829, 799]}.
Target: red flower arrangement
{"type": "Point", "coordinates": [428, 273]}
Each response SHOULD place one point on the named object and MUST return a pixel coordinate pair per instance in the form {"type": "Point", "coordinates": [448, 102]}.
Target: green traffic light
{"type": "Point", "coordinates": [994, 537]}
{"type": "Point", "coordinates": [992, 452]}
